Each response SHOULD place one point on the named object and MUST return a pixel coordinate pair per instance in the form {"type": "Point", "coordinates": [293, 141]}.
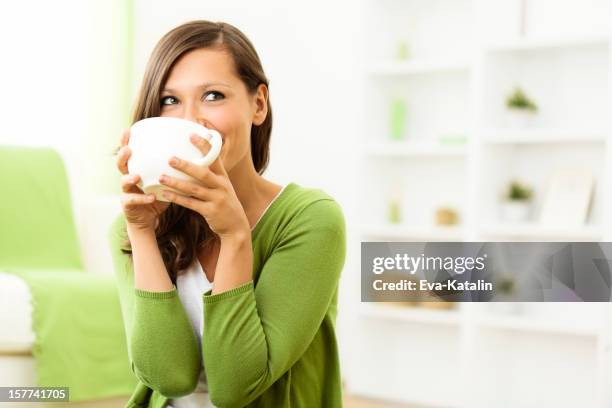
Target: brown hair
{"type": "Point", "coordinates": [180, 231]}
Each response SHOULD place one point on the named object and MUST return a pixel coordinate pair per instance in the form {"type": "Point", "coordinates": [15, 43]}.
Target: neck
{"type": "Point", "coordinates": [250, 187]}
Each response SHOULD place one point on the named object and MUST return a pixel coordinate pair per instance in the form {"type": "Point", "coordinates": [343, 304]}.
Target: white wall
{"type": "Point", "coordinates": [62, 87]}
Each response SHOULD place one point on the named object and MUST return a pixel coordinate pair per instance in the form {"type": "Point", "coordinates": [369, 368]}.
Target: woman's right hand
{"type": "Point", "coordinates": [141, 210]}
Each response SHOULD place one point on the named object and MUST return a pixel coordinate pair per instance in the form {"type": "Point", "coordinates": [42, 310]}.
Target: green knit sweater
{"type": "Point", "coordinates": [268, 343]}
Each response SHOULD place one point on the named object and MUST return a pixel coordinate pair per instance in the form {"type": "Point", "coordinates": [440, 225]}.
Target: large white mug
{"type": "Point", "coordinates": [153, 141]}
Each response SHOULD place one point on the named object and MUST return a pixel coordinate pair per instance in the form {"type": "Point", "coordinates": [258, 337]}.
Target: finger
{"type": "Point", "coordinates": [201, 173]}
{"type": "Point", "coordinates": [122, 158]}
{"type": "Point", "coordinates": [129, 200]}
{"type": "Point", "coordinates": [217, 166]}
{"type": "Point", "coordinates": [184, 201]}
{"type": "Point", "coordinates": [188, 188]}
{"type": "Point", "coordinates": [125, 137]}
{"type": "Point", "coordinates": [202, 144]}
{"type": "Point", "coordinates": [128, 183]}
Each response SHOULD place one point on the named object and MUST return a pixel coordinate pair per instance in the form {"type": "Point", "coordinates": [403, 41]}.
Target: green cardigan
{"type": "Point", "coordinates": [268, 343]}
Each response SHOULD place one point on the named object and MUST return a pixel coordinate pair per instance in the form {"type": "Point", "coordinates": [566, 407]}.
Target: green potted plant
{"type": "Point", "coordinates": [516, 203]}
{"type": "Point", "coordinates": [521, 108]}
{"type": "Point", "coordinates": [505, 294]}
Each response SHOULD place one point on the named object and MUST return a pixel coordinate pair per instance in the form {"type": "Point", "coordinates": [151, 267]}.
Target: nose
{"type": "Point", "coordinates": [191, 113]}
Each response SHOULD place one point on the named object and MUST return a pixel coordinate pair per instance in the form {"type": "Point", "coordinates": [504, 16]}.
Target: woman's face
{"type": "Point", "coordinates": [203, 87]}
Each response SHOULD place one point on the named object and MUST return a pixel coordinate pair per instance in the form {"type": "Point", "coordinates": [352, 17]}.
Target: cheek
{"type": "Point", "coordinates": [235, 129]}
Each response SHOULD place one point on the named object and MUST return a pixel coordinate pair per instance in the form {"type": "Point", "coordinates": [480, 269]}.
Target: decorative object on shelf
{"type": "Point", "coordinates": [395, 205]}
{"type": "Point", "coordinates": [521, 109]}
{"type": "Point", "coordinates": [437, 305]}
{"type": "Point", "coordinates": [446, 216]}
{"type": "Point", "coordinates": [402, 51]}
{"type": "Point", "coordinates": [398, 118]}
{"type": "Point", "coordinates": [402, 304]}
{"type": "Point", "coordinates": [568, 197]}
{"type": "Point", "coordinates": [516, 205]}
{"type": "Point", "coordinates": [452, 139]}
{"type": "Point", "coordinates": [505, 290]}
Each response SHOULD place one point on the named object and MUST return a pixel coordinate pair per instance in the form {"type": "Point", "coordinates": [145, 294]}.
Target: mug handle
{"type": "Point", "coordinates": [214, 138]}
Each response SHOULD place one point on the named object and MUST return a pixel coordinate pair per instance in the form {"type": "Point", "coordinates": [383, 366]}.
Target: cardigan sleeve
{"type": "Point", "coordinates": [253, 335]}
{"type": "Point", "coordinates": [162, 347]}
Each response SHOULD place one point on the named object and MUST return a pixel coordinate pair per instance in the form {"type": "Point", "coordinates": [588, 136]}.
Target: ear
{"type": "Point", "coordinates": [261, 105]}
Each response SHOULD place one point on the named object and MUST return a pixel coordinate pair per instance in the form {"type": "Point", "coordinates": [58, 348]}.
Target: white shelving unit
{"type": "Point", "coordinates": [465, 56]}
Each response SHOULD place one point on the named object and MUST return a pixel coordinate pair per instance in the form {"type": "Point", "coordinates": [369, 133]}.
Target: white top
{"type": "Point", "coordinates": [191, 284]}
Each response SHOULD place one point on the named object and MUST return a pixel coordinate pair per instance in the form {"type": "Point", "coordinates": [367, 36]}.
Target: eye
{"type": "Point", "coordinates": [210, 96]}
{"type": "Point", "coordinates": [168, 100]}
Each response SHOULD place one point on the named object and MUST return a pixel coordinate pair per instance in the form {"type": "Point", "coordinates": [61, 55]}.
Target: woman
{"type": "Point", "coordinates": [229, 291]}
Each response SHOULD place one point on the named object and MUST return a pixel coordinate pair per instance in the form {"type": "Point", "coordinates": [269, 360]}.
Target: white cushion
{"type": "Point", "coordinates": [16, 335]}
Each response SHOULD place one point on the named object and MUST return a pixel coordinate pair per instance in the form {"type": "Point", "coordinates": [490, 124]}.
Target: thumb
{"type": "Point", "coordinates": [217, 166]}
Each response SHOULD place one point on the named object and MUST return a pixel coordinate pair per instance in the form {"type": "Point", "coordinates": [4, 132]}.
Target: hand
{"type": "Point", "coordinates": [141, 210]}
{"type": "Point", "coordinates": [211, 195]}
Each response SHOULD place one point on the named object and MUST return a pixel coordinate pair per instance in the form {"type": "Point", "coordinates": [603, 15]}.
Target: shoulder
{"type": "Point", "coordinates": [314, 208]}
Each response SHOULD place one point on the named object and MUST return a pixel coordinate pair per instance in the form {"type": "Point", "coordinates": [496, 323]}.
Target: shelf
{"type": "Point", "coordinates": [537, 325]}
{"type": "Point", "coordinates": [540, 44]}
{"type": "Point", "coordinates": [419, 233]}
{"type": "Point", "coordinates": [536, 231]}
{"type": "Point", "coordinates": [414, 67]}
{"type": "Point", "coordinates": [412, 149]}
{"type": "Point", "coordinates": [518, 323]}
{"type": "Point", "coordinates": [541, 136]}
{"type": "Point", "coordinates": [410, 314]}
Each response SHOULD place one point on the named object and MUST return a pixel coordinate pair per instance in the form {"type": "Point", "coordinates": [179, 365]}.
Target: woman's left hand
{"type": "Point", "coordinates": [211, 195]}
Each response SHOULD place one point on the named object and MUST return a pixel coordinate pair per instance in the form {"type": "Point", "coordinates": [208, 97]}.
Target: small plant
{"type": "Point", "coordinates": [518, 191]}
{"type": "Point", "coordinates": [506, 285]}
{"type": "Point", "coordinates": [518, 100]}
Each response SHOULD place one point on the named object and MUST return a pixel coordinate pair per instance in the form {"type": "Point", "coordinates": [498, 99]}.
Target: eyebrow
{"type": "Point", "coordinates": [201, 86]}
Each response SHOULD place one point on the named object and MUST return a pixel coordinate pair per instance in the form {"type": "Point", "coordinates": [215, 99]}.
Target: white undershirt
{"type": "Point", "coordinates": [191, 284]}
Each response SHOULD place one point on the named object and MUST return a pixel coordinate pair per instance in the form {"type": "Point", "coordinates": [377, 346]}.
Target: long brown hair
{"type": "Point", "coordinates": [181, 232]}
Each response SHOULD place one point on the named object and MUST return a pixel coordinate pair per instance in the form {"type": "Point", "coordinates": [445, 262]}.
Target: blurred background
{"type": "Point", "coordinates": [428, 120]}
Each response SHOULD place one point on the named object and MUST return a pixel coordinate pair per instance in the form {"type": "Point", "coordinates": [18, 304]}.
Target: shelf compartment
{"type": "Point", "coordinates": [411, 149]}
{"type": "Point", "coordinates": [537, 325]}
{"type": "Point", "coordinates": [540, 44]}
{"type": "Point", "coordinates": [542, 136]}
{"type": "Point", "coordinates": [418, 233]}
{"type": "Point", "coordinates": [418, 67]}
{"type": "Point", "coordinates": [534, 230]}
{"type": "Point", "coordinates": [410, 314]}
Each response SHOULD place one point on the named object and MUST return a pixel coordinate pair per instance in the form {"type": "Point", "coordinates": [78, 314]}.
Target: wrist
{"type": "Point", "coordinates": [135, 231]}
{"type": "Point", "coordinates": [237, 239]}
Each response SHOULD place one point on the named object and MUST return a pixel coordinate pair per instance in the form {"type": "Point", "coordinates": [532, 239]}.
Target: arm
{"type": "Point", "coordinates": [149, 270]}
{"type": "Point", "coordinates": [162, 346]}
{"type": "Point", "coordinates": [235, 264]}
{"type": "Point", "coordinates": [252, 336]}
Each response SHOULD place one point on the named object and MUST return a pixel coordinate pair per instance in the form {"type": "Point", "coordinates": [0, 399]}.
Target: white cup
{"type": "Point", "coordinates": [153, 141]}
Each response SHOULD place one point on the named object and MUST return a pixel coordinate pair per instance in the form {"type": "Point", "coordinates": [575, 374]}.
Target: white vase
{"type": "Point", "coordinates": [516, 210]}
{"type": "Point", "coordinates": [519, 118]}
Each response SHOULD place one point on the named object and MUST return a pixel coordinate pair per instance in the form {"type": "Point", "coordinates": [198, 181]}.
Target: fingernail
{"type": "Point", "coordinates": [163, 179]}
{"type": "Point", "coordinates": [151, 197]}
{"type": "Point", "coordinates": [173, 161]}
{"type": "Point", "coordinates": [193, 138]}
